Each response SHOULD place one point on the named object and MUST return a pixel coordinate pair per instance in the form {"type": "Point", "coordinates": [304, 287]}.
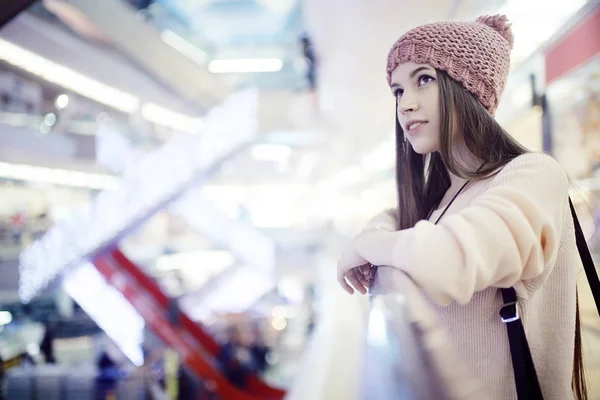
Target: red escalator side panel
{"type": "Point", "coordinates": [258, 386]}
{"type": "Point", "coordinates": [171, 336]}
{"type": "Point", "coordinates": [207, 342]}
{"type": "Point", "coordinates": [144, 280]}
{"type": "Point", "coordinates": [255, 384]}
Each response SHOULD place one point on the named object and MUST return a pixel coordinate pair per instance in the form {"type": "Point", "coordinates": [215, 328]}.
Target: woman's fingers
{"type": "Point", "coordinates": [344, 284]}
{"type": "Point", "coordinates": [363, 275]}
{"type": "Point", "coordinates": [363, 280]}
{"type": "Point", "coordinates": [358, 278]}
{"type": "Point", "coordinates": [354, 276]}
{"type": "Point", "coordinates": [354, 271]}
{"type": "Point", "coordinates": [364, 269]}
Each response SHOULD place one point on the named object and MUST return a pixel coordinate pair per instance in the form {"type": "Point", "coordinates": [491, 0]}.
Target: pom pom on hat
{"type": "Point", "coordinates": [500, 24]}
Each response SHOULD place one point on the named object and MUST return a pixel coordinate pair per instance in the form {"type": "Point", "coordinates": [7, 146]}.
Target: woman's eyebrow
{"type": "Point", "coordinates": [412, 75]}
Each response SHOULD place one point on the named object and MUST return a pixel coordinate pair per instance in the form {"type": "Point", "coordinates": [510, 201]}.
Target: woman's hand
{"type": "Point", "coordinates": [357, 263]}
{"type": "Point", "coordinates": [360, 277]}
{"type": "Point", "coordinates": [348, 268]}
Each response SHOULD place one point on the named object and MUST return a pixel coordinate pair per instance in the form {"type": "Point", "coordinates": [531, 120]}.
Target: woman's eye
{"type": "Point", "coordinates": [423, 79]}
{"type": "Point", "coordinates": [398, 93]}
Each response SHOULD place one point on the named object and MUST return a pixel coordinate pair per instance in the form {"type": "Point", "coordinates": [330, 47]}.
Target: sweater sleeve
{"type": "Point", "coordinates": [384, 221]}
{"type": "Point", "coordinates": [510, 232]}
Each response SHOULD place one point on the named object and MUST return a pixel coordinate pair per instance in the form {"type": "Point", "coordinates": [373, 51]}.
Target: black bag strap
{"type": "Point", "coordinates": [586, 259]}
{"type": "Point", "coordinates": [526, 380]}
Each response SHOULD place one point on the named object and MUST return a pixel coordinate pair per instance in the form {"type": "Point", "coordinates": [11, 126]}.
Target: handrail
{"type": "Point", "coordinates": [408, 354]}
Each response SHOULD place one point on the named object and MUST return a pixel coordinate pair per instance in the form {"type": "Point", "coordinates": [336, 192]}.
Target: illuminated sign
{"type": "Point", "coordinates": [109, 309]}
{"type": "Point", "coordinates": [146, 187]}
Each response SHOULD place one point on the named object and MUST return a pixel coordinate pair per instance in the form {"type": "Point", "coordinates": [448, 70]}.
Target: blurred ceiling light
{"type": "Point", "coordinates": [196, 259]}
{"type": "Point", "coordinates": [278, 324]}
{"type": "Point", "coordinates": [30, 173]}
{"type": "Point", "coordinates": [5, 318]}
{"type": "Point", "coordinates": [163, 116]}
{"type": "Point", "coordinates": [67, 78]}
{"type": "Point", "coordinates": [184, 47]}
{"type": "Point", "coordinates": [92, 89]}
{"type": "Point", "coordinates": [271, 152]}
{"type": "Point", "coordinates": [244, 65]}
{"type": "Point", "coordinates": [50, 119]}
{"type": "Point", "coordinates": [62, 101]}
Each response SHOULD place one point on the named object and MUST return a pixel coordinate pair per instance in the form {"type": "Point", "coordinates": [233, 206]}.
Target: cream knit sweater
{"type": "Point", "coordinates": [513, 229]}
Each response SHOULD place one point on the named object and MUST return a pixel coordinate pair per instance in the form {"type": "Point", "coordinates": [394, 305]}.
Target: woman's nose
{"type": "Point", "coordinates": [407, 104]}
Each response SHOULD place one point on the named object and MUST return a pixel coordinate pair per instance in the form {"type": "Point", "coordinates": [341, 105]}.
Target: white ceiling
{"type": "Point", "coordinates": [353, 112]}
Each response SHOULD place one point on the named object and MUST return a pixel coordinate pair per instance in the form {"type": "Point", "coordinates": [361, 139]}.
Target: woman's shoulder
{"type": "Point", "coordinates": [537, 168]}
{"type": "Point", "coordinates": [535, 159]}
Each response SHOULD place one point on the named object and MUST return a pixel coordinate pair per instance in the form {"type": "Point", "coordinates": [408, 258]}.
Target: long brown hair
{"type": "Point", "coordinates": [422, 180]}
{"type": "Point", "coordinates": [578, 381]}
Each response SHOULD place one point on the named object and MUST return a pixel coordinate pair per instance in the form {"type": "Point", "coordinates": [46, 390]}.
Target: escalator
{"type": "Point", "coordinates": [197, 349]}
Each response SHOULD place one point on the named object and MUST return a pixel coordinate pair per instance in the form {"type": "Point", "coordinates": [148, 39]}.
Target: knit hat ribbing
{"type": "Point", "coordinates": [475, 54]}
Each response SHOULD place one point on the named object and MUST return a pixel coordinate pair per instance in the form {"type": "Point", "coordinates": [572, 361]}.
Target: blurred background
{"type": "Point", "coordinates": [178, 178]}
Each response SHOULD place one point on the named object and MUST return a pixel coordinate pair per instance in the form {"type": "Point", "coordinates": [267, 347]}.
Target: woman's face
{"type": "Point", "coordinates": [416, 89]}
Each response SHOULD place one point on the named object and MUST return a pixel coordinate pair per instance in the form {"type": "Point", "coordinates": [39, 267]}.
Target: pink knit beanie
{"type": "Point", "coordinates": [475, 54]}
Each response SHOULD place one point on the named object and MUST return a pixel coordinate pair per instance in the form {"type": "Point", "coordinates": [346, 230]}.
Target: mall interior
{"type": "Point", "coordinates": [214, 277]}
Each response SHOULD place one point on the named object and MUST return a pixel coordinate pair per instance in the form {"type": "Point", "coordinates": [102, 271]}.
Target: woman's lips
{"type": "Point", "coordinates": [413, 127]}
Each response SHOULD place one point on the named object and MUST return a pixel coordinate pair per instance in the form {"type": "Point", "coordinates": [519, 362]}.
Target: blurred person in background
{"type": "Point", "coordinates": [47, 344]}
{"type": "Point", "coordinates": [39, 225]}
{"type": "Point", "coordinates": [108, 377]}
{"type": "Point", "coordinates": [17, 226]}
{"type": "Point", "coordinates": [310, 57]}
{"type": "Point", "coordinates": [234, 358]}
{"type": "Point", "coordinates": [478, 216]}
{"type": "Point", "coordinates": [258, 349]}
{"type": "Point", "coordinates": [141, 4]}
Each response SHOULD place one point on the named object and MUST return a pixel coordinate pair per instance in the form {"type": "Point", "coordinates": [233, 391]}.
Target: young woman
{"type": "Point", "coordinates": [476, 211]}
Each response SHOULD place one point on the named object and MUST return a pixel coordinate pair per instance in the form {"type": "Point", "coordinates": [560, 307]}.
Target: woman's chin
{"type": "Point", "coordinates": [423, 149]}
